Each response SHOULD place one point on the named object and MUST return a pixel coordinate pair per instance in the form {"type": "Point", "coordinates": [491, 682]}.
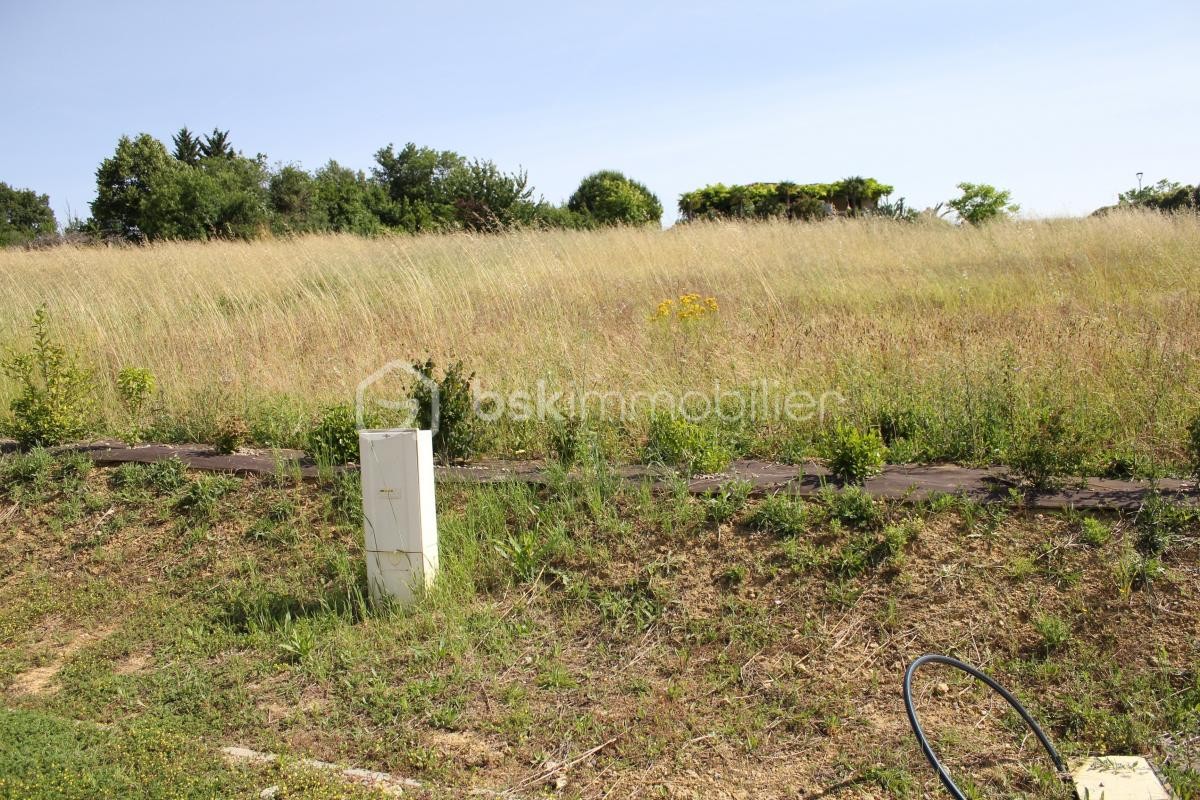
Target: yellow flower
{"type": "Point", "coordinates": [690, 306]}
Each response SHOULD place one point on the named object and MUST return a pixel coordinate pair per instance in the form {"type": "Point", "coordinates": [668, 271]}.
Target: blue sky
{"type": "Point", "coordinates": [1060, 102]}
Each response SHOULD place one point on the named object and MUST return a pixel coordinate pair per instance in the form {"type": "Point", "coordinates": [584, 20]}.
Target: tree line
{"type": "Point", "coordinates": [201, 187]}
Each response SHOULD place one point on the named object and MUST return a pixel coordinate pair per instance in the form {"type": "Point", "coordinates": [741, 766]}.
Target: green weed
{"type": "Point", "coordinates": [854, 455]}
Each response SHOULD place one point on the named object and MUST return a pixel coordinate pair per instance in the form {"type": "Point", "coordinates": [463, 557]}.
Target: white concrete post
{"type": "Point", "coordinates": [399, 518]}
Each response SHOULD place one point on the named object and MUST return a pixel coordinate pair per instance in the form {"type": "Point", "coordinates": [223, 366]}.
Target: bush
{"type": "Point", "coordinates": [693, 448]}
{"type": "Point", "coordinates": [1048, 451]}
{"type": "Point", "coordinates": [54, 399]}
{"type": "Point", "coordinates": [854, 456]}
{"type": "Point", "coordinates": [459, 431]}
{"type": "Point", "coordinates": [134, 388]}
{"type": "Point", "coordinates": [1095, 532]}
{"type": "Point", "coordinates": [334, 439]}
{"type": "Point", "coordinates": [231, 433]}
{"type": "Point", "coordinates": [610, 198]}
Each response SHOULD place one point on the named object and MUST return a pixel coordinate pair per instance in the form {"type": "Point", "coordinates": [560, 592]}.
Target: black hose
{"type": "Point", "coordinates": [943, 774]}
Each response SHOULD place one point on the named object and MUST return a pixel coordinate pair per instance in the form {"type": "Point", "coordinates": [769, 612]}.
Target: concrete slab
{"type": "Point", "coordinates": [1117, 778]}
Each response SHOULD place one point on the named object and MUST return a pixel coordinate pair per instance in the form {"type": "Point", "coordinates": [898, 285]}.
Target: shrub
{"type": "Point", "coordinates": [54, 399]}
{"type": "Point", "coordinates": [1048, 451]}
{"type": "Point", "coordinates": [1095, 532]}
{"type": "Point", "coordinates": [689, 446]}
{"type": "Point", "coordinates": [780, 514]}
{"type": "Point", "coordinates": [231, 433]}
{"type": "Point", "coordinates": [334, 439]}
{"type": "Point", "coordinates": [135, 385]}
{"type": "Point", "coordinates": [855, 456]}
{"type": "Point", "coordinates": [459, 432]}
{"type": "Point", "coordinates": [610, 198]}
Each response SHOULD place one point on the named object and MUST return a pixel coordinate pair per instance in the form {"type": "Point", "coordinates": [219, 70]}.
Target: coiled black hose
{"type": "Point", "coordinates": [941, 771]}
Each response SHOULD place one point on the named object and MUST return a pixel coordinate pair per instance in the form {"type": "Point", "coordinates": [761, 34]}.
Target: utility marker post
{"type": "Point", "coordinates": [399, 517]}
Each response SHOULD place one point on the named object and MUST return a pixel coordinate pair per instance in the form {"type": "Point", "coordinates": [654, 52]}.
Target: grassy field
{"type": "Point", "coordinates": [702, 647]}
{"type": "Point", "coordinates": [957, 340]}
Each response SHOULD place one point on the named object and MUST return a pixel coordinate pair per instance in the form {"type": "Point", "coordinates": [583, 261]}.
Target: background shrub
{"type": "Point", "coordinates": [855, 455]}
{"type": "Point", "coordinates": [334, 439]}
{"type": "Point", "coordinates": [459, 431]}
{"type": "Point", "coordinates": [1047, 451]}
{"type": "Point", "coordinates": [693, 448]}
{"type": "Point", "coordinates": [610, 198]}
{"type": "Point", "coordinates": [135, 386]}
{"type": "Point", "coordinates": [54, 396]}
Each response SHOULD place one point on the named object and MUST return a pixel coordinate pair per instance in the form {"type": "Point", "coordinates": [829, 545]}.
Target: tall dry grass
{"type": "Point", "coordinates": [1101, 313]}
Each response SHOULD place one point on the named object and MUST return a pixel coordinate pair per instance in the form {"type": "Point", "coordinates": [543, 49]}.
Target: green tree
{"type": "Point", "coordinates": [343, 200]}
{"type": "Point", "coordinates": [610, 198]}
{"type": "Point", "coordinates": [187, 147]}
{"type": "Point", "coordinates": [1165, 196]}
{"type": "Point", "coordinates": [25, 215]}
{"type": "Point", "coordinates": [488, 199]}
{"type": "Point", "coordinates": [980, 203]}
{"type": "Point", "coordinates": [290, 194]}
{"type": "Point", "coordinates": [216, 145]}
{"type": "Point", "coordinates": [416, 181]}
{"type": "Point", "coordinates": [125, 185]}
{"type": "Point", "coordinates": [143, 193]}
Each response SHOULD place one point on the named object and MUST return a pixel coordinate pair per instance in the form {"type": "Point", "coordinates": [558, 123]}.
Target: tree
{"type": "Point", "coordinates": [487, 199]}
{"type": "Point", "coordinates": [25, 215]}
{"type": "Point", "coordinates": [610, 198]}
{"type": "Point", "coordinates": [1164, 196]}
{"type": "Point", "coordinates": [187, 147]}
{"type": "Point", "coordinates": [216, 145]}
{"type": "Point", "coordinates": [343, 199]}
{"type": "Point", "coordinates": [144, 193]}
{"type": "Point", "coordinates": [980, 203]}
{"type": "Point", "coordinates": [125, 185]}
{"type": "Point", "coordinates": [290, 194]}
{"type": "Point", "coordinates": [416, 181]}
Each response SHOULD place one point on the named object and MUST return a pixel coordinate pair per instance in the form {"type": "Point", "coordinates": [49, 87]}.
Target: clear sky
{"type": "Point", "coordinates": [1060, 102]}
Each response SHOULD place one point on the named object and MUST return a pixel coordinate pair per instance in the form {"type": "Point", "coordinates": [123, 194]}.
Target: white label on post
{"type": "Point", "coordinates": [399, 517]}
